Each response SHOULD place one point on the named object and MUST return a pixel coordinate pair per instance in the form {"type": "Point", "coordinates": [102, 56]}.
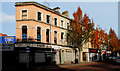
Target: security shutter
{"type": "Point", "coordinates": [23, 57]}
{"type": "Point", "coordinates": [39, 57]}
{"type": "Point", "coordinates": [68, 56]}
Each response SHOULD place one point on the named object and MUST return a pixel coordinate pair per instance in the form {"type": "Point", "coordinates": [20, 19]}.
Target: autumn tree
{"type": "Point", "coordinates": [81, 27]}
{"type": "Point", "coordinates": [113, 41]}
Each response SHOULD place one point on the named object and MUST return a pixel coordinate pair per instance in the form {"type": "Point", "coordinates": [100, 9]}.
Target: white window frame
{"type": "Point", "coordinates": [49, 18]}
{"type": "Point", "coordinates": [41, 30]}
{"type": "Point", "coordinates": [57, 21]}
{"type": "Point", "coordinates": [41, 15]}
{"type": "Point", "coordinates": [21, 13]}
{"type": "Point", "coordinates": [49, 34]}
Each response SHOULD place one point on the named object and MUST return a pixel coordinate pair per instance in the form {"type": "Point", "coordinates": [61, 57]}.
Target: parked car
{"type": "Point", "coordinates": [117, 60]}
{"type": "Point", "coordinates": [112, 57]}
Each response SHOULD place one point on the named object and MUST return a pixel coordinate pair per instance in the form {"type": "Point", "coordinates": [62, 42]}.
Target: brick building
{"type": "Point", "coordinates": [37, 27]}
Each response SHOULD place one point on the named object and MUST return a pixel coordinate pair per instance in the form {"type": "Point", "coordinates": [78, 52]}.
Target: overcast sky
{"type": "Point", "coordinates": [104, 14]}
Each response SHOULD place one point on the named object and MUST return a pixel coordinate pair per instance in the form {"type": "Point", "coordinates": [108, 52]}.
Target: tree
{"type": "Point", "coordinates": [80, 32]}
{"type": "Point", "coordinates": [113, 41]}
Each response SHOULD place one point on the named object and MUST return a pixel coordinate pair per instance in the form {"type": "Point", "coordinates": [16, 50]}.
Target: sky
{"type": "Point", "coordinates": [104, 14]}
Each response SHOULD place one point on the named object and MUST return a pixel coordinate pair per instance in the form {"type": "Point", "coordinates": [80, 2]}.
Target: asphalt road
{"type": "Point", "coordinates": [84, 67]}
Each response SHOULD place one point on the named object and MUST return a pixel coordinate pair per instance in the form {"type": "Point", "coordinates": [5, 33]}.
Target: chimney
{"type": "Point", "coordinates": [65, 13]}
{"type": "Point", "coordinates": [56, 9]}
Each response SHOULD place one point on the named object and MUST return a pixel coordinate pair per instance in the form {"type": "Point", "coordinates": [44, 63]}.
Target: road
{"type": "Point", "coordinates": [84, 67]}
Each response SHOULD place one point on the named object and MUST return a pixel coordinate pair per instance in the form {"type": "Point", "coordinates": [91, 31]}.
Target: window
{"type": "Point", "coordinates": [24, 14]}
{"type": "Point", "coordinates": [62, 37]}
{"type": "Point", "coordinates": [55, 37]}
{"type": "Point", "coordinates": [38, 34]}
{"type": "Point", "coordinates": [68, 26]}
{"type": "Point", "coordinates": [24, 33]}
{"type": "Point", "coordinates": [47, 35]}
{"type": "Point", "coordinates": [47, 18]}
{"type": "Point", "coordinates": [55, 21]}
{"type": "Point", "coordinates": [39, 16]}
{"type": "Point", "coordinates": [68, 35]}
{"type": "Point", "coordinates": [61, 23]}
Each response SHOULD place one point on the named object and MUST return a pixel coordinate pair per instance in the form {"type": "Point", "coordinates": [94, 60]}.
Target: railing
{"type": "Point", "coordinates": [38, 37]}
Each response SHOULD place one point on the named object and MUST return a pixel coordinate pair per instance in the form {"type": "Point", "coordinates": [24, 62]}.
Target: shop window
{"type": "Point", "coordinates": [47, 18]}
{"type": "Point", "coordinates": [55, 21]}
{"type": "Point", "coordinates": [39, 16]}
{"type": "Point", "coordinates": [38, 34]}
{"type": "Point", "coordinates": [55, 37]}
{"type": "Point", "coordinates": [47, 35]}
{"type": "Point", "coordinates": [24, 14]}
{"type": "Point", "coordinates": [24, 33]}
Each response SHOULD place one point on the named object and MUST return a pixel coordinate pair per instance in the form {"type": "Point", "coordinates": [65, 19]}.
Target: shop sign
{"type": "Point", "coordinates": [85, 50]}
{"type": "Point", "coordinates": [93, 50]}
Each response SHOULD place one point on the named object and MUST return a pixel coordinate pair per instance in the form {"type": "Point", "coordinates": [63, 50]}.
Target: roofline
{"type": "Point", "coordinates": [41, 6]}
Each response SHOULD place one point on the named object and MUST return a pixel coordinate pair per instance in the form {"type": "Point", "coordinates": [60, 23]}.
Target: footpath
{"type": "Point", "coordinates": [42, 68]}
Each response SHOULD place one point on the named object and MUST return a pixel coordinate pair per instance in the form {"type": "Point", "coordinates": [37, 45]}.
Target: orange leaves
{"type": "Point", "coordinates": [114, 43]}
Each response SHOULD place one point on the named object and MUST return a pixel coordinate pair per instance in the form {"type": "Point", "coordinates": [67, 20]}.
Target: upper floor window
{"type": "Point", "coordinates": [47, 35]}
{"type": "Point", "coordinates": [61, 23]}
{"type": "Point", "coordinates": [24, 14]}
{"type": "Point", "coordinates": [39, 16]}
{"type": "Point", "coordinates": [55, 37]}
{"type": "Point", "coordinates": [38, 34]}
{"type": "Point", "coordinates": [47, 18]}
{"type": "Point", "coordinates": [24, 33]}
{"type": "Point", "coordinates": [55, 21]}
{"type": "Point", "coordinates": [68, 26]}
{"type": "Point", "coordinates": [62, 34]}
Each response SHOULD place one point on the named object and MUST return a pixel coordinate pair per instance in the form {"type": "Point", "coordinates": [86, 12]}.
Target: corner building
{"type": "Point", "coordinates": [36, 27]}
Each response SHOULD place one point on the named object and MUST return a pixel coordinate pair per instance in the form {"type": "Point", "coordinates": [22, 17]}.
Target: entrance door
{"type": "Point", "coordinates": [62, 56]}
{"type": "Point", "coordinates": [48, 58]}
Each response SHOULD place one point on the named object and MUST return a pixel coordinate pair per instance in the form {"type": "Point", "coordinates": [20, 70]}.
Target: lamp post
{"type": "Point", "coordinates": [50, 31]}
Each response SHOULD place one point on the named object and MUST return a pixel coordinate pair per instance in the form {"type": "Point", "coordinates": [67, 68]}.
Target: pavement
{"type": "Point", "coordinates": [83, 66]}
{"type": "Point", "coordinates": [58, 67]}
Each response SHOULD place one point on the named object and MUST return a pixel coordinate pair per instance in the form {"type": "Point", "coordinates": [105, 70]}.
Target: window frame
{"type": "Point", "coordinates": [56, 21]}
{"type": "Point", "coordinates": [49, 19]}
{"type": "Point", "coordinates": [21, 14]}
{"type": "Point", "coordinates": [41, 15]}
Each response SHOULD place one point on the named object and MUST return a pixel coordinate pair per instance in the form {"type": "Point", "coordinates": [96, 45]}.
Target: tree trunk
{"type": "Point", "coordinates": [80, 54]}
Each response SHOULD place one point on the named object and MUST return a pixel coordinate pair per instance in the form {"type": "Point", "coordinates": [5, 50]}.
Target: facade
{"type": "Point", "coordinates": [37, 27]}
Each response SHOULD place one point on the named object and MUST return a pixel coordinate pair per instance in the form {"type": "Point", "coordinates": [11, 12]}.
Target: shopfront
{"type": "Point", "coordinates": [33, 53]}
{"type": "Point", "coordinates": [93, 53]}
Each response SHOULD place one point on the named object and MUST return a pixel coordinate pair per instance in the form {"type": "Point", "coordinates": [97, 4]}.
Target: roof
{"type": "Point", "coordinates": [41, 6]}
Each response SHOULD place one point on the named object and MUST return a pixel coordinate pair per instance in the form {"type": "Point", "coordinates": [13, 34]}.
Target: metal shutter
{"type": "Point", "coordinates": [68, 56]}
{"type": "Point", "coordinates": [23, 57]}
{"type": "Point", "coordinates": [39, 57]}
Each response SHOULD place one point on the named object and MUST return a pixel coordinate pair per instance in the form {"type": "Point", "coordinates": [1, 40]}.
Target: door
{"type": "Point", "coordinates": [62, 56]}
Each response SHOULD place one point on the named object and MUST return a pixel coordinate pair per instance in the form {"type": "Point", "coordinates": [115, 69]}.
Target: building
{"type": "Point", "coordinates": [37, 27]}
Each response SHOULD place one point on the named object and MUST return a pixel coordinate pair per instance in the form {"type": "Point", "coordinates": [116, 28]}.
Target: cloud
{"type": "Point", "coordinates": [7, 19]}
